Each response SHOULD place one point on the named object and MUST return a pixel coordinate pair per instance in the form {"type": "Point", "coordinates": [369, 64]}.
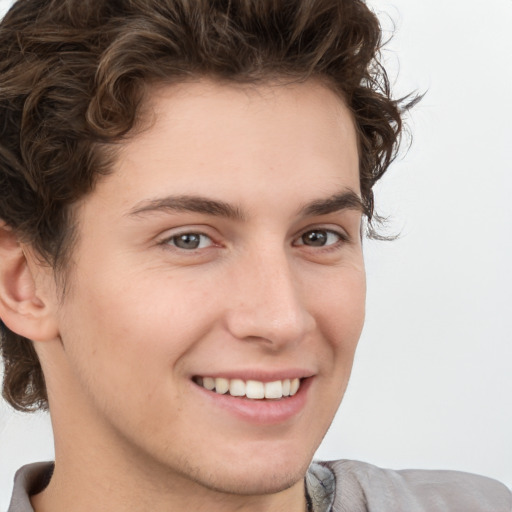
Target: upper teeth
{"type": "Point", "coordinates": [251, 388]}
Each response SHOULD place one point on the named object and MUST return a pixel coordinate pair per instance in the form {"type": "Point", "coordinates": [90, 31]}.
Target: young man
{"type": "Point", "coordinates": [183, 185]}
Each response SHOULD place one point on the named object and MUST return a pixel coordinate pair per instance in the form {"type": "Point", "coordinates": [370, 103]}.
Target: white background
{"type": "Point", "coordinates": [432, 382]}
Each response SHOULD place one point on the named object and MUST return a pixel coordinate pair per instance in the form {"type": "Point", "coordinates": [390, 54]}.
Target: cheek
{"type": "Point", "coordinates": [133, 331]}
{"type": "Point", "coordinates": [341, 308]}
{"type": "Point", "coordinates": [340, 311]}
{"type": "Point", "coordinates": [340, 318]}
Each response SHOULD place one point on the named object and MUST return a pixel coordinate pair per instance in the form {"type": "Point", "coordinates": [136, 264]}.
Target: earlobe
{"type": "Point", "coordinates": [26, 308]}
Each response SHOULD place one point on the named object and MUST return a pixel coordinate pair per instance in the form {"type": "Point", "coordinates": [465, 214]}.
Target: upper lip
{"type": "Point", "coordinates": [259, 375]}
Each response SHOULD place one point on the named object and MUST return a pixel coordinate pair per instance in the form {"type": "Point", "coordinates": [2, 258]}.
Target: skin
{"type": "Point", "coordinates": [142, 317]}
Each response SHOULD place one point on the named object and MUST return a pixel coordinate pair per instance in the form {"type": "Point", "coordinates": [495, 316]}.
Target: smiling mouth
{"type": "Point", "coordinates": [252, 389]}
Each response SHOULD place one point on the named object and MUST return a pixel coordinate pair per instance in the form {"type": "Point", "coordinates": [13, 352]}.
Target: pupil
{"type": "Point", "coordinates": [189, 241]}
{"type": "Point", "coordinates": [315, 238]}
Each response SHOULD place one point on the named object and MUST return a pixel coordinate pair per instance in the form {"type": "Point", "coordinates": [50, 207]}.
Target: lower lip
{"type": "Point", "coordinates": [261, 412]}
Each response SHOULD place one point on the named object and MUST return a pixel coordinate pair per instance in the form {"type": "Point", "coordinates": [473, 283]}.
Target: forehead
{"type": "Point", "coordinates": [238, 142]}
{"type": "Point", "coordinates": [209, 125]}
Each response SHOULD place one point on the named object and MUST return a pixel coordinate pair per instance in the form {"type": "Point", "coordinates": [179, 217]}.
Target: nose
{"type": "Point", "coordinates": [267, 304]}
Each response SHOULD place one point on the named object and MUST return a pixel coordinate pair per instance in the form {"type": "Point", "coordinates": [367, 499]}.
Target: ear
{"type": "Point", "coordinates": [27, 293]}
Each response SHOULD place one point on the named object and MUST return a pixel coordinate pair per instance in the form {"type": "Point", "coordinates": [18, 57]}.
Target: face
{"type": "Point", "coordinates": [224, 250]}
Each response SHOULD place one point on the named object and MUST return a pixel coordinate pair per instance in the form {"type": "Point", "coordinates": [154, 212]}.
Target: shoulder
{"type": "Point", "coordinates": [362, 487]}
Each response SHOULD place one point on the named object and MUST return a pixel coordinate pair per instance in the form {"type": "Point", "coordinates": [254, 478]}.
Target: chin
{"type": "Point", "coordinates": [255, 482]}
{"type": "Point", "coordinates": [246, 475]}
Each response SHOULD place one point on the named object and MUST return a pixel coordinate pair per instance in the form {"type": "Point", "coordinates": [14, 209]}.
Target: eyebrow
{"type": "Point", "coordinates": [346, 200]}
{"type": "Point", "coordinates": [188, 203]}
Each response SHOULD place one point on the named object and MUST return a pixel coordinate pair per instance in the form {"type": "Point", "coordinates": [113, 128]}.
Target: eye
{"type": "Point", "coordinates": [319, 238]}
{"type": "Point", "coordinates": [190, 241]}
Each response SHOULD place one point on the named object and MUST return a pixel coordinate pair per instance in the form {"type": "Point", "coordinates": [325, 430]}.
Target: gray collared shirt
{"type": "Point", "coordinates": [350, 486]}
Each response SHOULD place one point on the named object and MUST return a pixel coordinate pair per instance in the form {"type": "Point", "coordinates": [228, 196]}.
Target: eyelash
{"type": "Point", "coordinates": [342, 237]}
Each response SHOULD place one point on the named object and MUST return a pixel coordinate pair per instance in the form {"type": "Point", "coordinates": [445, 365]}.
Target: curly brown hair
{"type": "Point", "coordinates": [72, 80]}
